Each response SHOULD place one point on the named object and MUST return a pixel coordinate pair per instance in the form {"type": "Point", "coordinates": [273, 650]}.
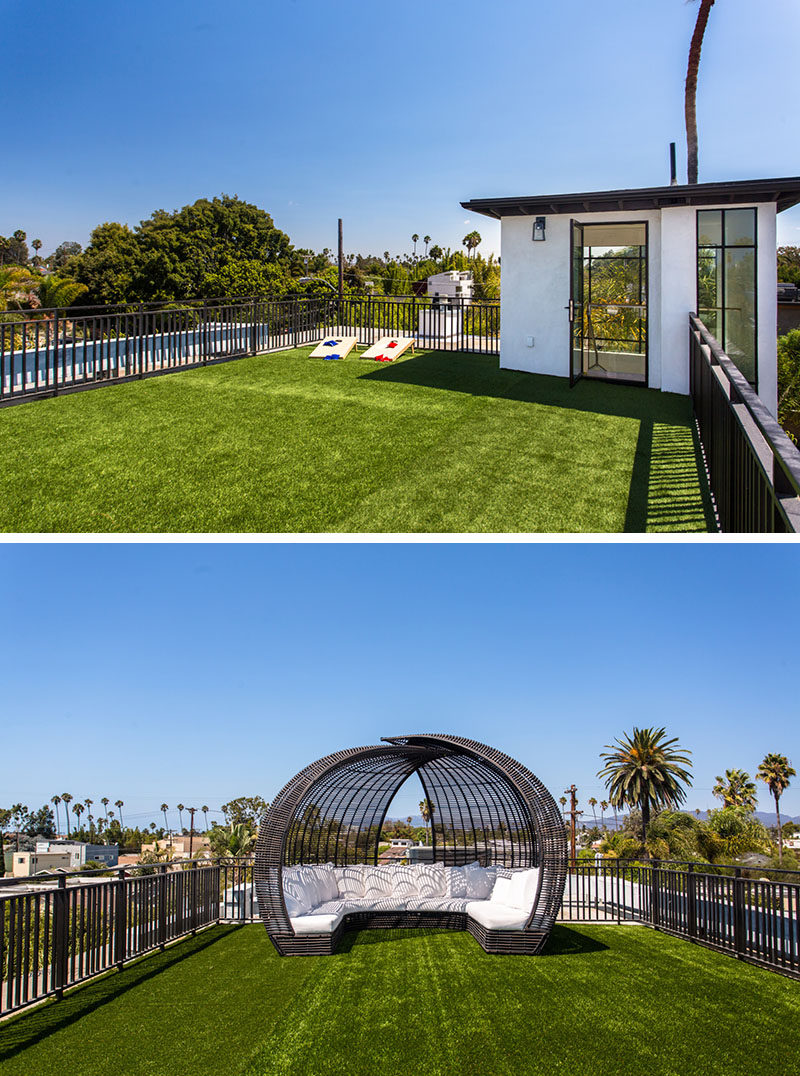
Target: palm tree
{"type": "Point", "coordinates": [415, 240]}
{"type": "Point", "coordinates": [180, 815]}
{"type": "Point", "coordinates": [644, 770]}
{"type": "Point", "coordinates": [15, 283]}
{"type": "Point", "coordinates": [426, 239]}
{"type": "Point", "coordinates": [104, 800]}
{"type": "Point", "coordinates": [603, 809]}
{"type": "Point", "coordinates": [593, 803]}
{"type": "Point", "coordinates": [471, 241]}
{"type": "Point", "coordinates": [119, 804]}
{"type": "Point", "coordinates": [55, 801]}
{"type": "Point", "coordinates": [55, 293]}
{"type": "Point", "coordinates": [37, 246]}
{"type": "Point", "coordinates": [736, 789]}
{"type": "Point", "coordinates": [89, 815]}
{"type": "Point", "coordinates": [426, 810]}
{"type": "Point", "coordinates": [776, 771]}
{"type": "Point", "coordinates": [205, 815]}
{"type": "Point", "coordinates": [690, 96]}
{"type": "Point", "coordinates": [67, 799]}
{"type": "Point", "coordinates": [77, 810]}
{"type": "Point", "coordinates": [563, 801]}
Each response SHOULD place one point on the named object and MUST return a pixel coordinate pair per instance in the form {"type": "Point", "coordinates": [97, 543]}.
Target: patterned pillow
{"type": "Point", "coordinates": [406, 882]}
{"type": "Point", "coordinates": [456, 882]}
{"type": "Point", "coordinates": [350, 881]}
{"type": "Point", "coordinates": [378, 882]}
{"type": "Point", "coordinates": [479, 885]}
{"type": "Point", "coordinates": [432, 882]}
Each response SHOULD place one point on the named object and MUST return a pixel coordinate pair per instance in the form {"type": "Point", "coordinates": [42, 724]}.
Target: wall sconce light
{"type": "Point", "coordinates": [538, 228]}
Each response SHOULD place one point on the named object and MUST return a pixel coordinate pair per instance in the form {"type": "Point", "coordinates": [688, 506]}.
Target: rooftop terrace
{"type": "Point", "coordinates": [436, 442]}
{"type": "Point", "coordinates": [601, 999]}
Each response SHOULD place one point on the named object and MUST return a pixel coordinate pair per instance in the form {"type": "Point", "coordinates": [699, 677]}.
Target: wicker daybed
{"type": "Point", "coordinates": [499, 851]}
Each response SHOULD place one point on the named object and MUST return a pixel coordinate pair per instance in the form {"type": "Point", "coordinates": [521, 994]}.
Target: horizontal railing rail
{"type": "Point", "coordinates": [47, 352]}
{"type": "Point", "coordinates": [753, 467]}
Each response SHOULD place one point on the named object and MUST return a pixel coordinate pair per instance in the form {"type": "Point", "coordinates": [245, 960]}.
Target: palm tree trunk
{"type": "Point", "coordinates": [780, 832]}
{"type": "Point", "coordinates": [690, 98]}
{"type": "Point", "coordinates": [645, 819]}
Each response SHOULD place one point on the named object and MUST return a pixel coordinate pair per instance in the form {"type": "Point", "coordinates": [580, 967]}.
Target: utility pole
{"type": "Point", "coordinates": [191, 830]}
{"type": "Point", "coordinates": [573, 813]}
{"type": "Point", "coordinates": [341, 263]}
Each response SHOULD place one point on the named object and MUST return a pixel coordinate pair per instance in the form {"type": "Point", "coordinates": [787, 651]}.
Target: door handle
{"type": "Point", "coordinates": [571, 309]}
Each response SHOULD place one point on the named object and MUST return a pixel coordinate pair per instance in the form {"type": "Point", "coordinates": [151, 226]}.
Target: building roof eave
{"type": "Point", "coordinates": [785, 193]}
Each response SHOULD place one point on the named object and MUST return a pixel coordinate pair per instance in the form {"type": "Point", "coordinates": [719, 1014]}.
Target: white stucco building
{"type": "Point", "coordinates": [601, 284]}
{"type": "Point", "coordinates": [454, 284]}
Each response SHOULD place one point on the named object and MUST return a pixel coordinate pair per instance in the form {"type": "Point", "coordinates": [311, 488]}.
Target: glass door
{"type": "Point", "coordinates": [576, 302]}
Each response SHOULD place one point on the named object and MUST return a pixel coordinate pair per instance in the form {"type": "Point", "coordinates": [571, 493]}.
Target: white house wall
{"type": "Point", "coordinates": [535, 294]}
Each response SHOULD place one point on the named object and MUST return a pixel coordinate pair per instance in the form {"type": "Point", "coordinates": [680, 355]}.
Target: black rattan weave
{"type": "Point", "coordinates": [484, 806]}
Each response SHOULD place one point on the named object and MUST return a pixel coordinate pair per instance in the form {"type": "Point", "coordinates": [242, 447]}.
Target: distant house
{"type": "Point", "coordinates": [79, 852]}
{"type": "Point", "coordinates": [454, 285]}
{"type": "Point", "coordinates": [177, 846]}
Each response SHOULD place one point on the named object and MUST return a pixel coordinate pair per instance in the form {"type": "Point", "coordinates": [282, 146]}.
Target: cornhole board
{"type": "Point", "coordinates": [340, 345]}
{"type": "Point", "coordinates": [390, 346]}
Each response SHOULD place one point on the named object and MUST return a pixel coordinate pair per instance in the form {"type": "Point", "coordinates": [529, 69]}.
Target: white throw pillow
{"type": "Point", "coordinates": [378, 882]}
{"type": "Point", "coordinates": [325, 876]}
{"type": "Point", "coordinates": [456, 881]}
{"type": "Point", "coordinates": [523, 888]}
{"type": "Point", "coordinates": [350, 881]}
{"type": "Point", "coordinates": [406, 882]}
{"type": "Point", "coordinates": [432, 882]}
{"type": "Point", "coordinates": [296, 895]}
{"type": "Point", "coordinates": [501, 893]}
{"type": "Point", "coordinates": [314, 883]}
{"type": "Point", "coordinates": [479, 885]}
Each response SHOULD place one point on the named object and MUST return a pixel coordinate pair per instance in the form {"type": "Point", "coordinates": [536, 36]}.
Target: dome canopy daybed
{"type": "Point", "coordinates": [498, 848]}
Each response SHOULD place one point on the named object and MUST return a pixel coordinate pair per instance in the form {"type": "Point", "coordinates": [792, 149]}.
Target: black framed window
{"type": "Point", "coordinates": [726, 283]}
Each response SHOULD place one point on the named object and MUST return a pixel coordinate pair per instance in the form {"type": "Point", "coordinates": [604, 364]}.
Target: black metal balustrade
{"type": "Point", "coordinates": [47, 352]}
{"type": "Point", "coordinates": [57, 931]}
{"type": "Point", "coordinates": [753, 467]}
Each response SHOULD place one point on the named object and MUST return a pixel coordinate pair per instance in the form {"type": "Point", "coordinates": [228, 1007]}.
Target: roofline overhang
{"type": "Point", "coordinates": [785, 193]}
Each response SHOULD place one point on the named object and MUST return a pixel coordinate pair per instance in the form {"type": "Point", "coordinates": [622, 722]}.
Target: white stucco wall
{"type": "Point", "coordinates": [535, 294]}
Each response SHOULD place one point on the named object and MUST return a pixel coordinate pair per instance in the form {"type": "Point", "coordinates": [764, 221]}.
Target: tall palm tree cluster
{"type": "Point", "coordinates": [98, 825]}
{"type": "Point", "coordinates": [648, 772]}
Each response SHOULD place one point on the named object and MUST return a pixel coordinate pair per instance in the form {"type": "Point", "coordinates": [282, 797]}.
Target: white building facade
{"type": "Point", "coordinates": [601, 285]}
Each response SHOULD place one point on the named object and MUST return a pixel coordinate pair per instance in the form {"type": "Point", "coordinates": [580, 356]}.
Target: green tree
{"type": "Point", "coordinates": [180, 816]}
{"type": "Point", "coordinates": [234, 840]}
{"type": "Point", "coordinates": [645, 770]}
{"type": "Point", "coordinates": [690, 93]}
{"type": "Point", "coordinates": [67, 799]}
{"type": "Point", "coordinates": [204, 809]}
{"type": "Point", "coordinates": [436, 253]}
{"type": "Point", "coordinates": [105, 802]}
{"type": "Point", "coordinates": [788, 382]}
{"type": "Point", "coordinates": [77, 810]}
{"type": "Point", "coordinates": [37, 246]}
{"type": "Point", "coordinates": [426, 810]}
{"type": "Point", "coordinates": [776, 772]}
{"type": "Point", "coordinates": [119, 805]}
{"type": "Point", "coordinates": [415, 240]}
{"type": "Point", "coordinates": [593, 804]}
{"type": "Point", "coordinates": [471, 241]}
{"type": "Point", "coordinates": [789, 265]}
{"type": "Point", "coordinates": [16, 283]}
{"type": "Point", "coordinates": [426, 239]}
{"type": "Point", "coordinates": [55, 801]}
{"type": "Point", "coordinates": [110, 265]}
{"type": "Point", "coordinates": [736, 789]}
{"type": "Point", "coordinates": [40, 823]}
{"type": "Point", "coordinates": [245, 809]}
{"type": "Point", "coordinates": [58, 293]}
{"type": "Point", "coordinates": [734, 831]}
{"type": "Point", "coordinates": [164, 808]}
{"type": "Point", "coordinates": [5, 818]}
{"type": "Point", "coordinates": [62, 255]}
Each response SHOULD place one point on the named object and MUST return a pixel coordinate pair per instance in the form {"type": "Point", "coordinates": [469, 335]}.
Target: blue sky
{"type": "Point", "coordinates": [385, 115]}
{"type": "Point", "coordinates": [196, 673]}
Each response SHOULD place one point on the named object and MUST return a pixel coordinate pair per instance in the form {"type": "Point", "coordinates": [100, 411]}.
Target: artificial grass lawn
{"type": "Point", "coordinates": [602, 1000]}
{"type": "Point", "coordinates": [282, 442]}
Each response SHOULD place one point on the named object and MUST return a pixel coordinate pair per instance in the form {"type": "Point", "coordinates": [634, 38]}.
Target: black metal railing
{"type": "Point", "coordinates": [754, 918]}
{"type": "Point", "coordinates": [753, 467]}
{"type": "Point", "coordinates": [45, 352]}
{"type": "Point", "coordinates": [56, 931]}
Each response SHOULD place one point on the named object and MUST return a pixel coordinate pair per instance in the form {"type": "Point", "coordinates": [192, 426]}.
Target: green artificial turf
{"type": "Point", "coordinates": [285, 443]}
{"type": "Point", "coordinates": [602, 1000]}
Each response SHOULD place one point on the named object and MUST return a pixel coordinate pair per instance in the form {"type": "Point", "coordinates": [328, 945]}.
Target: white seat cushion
{"type": "Point", "coordinates": [360, 904]}
{"type": "Point", "coordinates": [315, 924]}
{"type": "Point", "coordinates": [497, 916]}
{"type": "Point", "coordinates": [437, 904]}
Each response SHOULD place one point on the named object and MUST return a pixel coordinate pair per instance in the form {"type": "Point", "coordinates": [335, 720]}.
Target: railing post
{"type": "Point", "coordinates": [204, 335]}
{"type": "Point", "coordinates": [193, 896]}
{"type": "Point", "coordinates": [55, 354]}
{"type": "Point", "coordinates": [121, 921]}
{"type": "Point", "coordinates": [738, 912]}
{"type": "Point", "coordinates": [655, 912]}
{"type": "Point", "coordinates": [253, 340]}
{"type": "Point", "coordinates": [691, 902]}
{"type": "Point", "coordinates": [60, 917]}
{"type": "Point", "coordinates": [162, 907]}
